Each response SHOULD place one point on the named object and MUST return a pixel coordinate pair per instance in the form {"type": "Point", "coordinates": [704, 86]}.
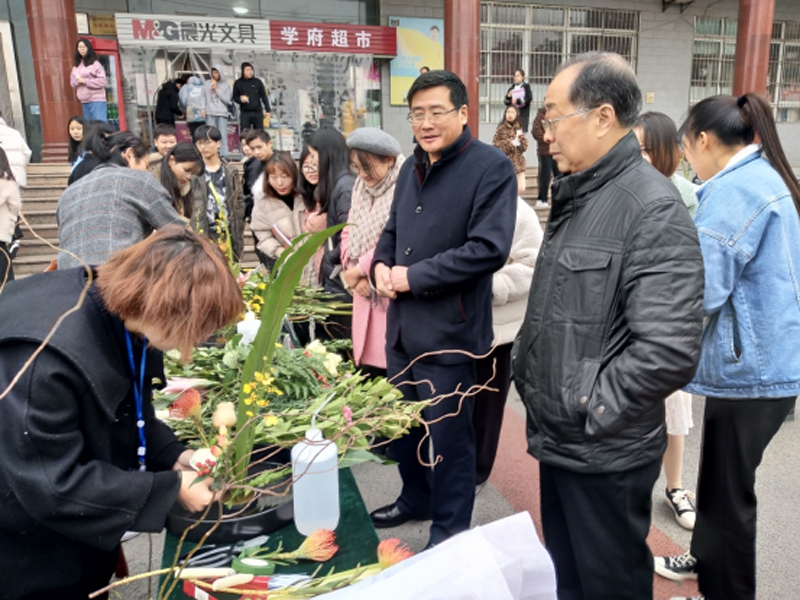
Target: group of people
{"type": "Point", "coordinates": [603, 320]}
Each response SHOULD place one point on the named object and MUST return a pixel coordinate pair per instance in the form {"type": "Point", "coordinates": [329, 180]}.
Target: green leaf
{"type": "Point", "coordinates": [354, 456]}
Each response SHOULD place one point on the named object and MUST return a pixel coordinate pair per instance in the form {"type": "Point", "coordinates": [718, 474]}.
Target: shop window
{"type": "Point", "coordinates": [538, 39]}
{"type": "Point", "coordinates": [713, 64]}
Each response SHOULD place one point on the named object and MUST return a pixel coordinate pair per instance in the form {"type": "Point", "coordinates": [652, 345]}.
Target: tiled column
{"type": "Point", "coordinates": [53, 34]}
{"type": "Point", "coordinates": [462, 46]}
{"type": "Point", "coordinates": [752, 46]}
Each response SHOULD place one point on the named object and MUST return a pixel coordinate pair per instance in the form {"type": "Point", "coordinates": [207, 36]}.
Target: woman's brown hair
{"type": "Point", "coordinates": [175, 280]}
{"type": "Point", "coordinates": [280, 160]}
{"type": "Point", "coordinates": [660, 140]}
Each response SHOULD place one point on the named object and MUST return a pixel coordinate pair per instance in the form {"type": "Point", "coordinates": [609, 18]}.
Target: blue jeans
{"type": "Point", "coordinates": [221, 123]}
{"type": "Point", "coordinates": [95, 111]}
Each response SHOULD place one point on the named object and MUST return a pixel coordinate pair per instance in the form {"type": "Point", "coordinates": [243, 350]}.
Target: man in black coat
{"type": "Point", "coordinates": [249, 93]}
{"type": "Point", "coordinates": [613, 327]}
{"type": "Point", "coordinates": [167, 104]}
{"type": "Point", "coordinates": [450, 227]}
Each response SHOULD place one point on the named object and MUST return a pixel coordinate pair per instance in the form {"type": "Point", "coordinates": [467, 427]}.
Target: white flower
{"type": "Point", "coordinates": [332, 362]}
{"type": "Point", "coordinates": [316, 347]}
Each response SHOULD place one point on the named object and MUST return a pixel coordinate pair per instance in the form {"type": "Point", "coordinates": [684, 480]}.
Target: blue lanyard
{"type": "Point", "coordinates": [138, 390]}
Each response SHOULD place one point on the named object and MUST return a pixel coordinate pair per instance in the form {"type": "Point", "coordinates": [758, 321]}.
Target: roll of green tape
{"type": "Point", "coordinates": [253, 566]}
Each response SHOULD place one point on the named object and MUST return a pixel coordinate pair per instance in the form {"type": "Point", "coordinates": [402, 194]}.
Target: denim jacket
{"type": "Point", "coordinates": [749, 231]}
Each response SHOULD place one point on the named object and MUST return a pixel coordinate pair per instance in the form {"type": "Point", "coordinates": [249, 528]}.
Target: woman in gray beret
{"type": "Point", "coordinates": [376, 158]}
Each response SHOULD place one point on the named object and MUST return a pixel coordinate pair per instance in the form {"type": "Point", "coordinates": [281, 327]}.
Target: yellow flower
{"type": "Point", "coordinates": [247, 388]}
{"type": "Point", "coordinates": [270, 420]}
{"type": "Point", "coordinates": [258, 376]}
{"type": "Point", "coordinates": [249, 413]}
{"type": "Point", "coordinates": [262, 286]}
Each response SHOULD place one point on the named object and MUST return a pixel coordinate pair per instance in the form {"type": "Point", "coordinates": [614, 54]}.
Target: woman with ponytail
{"type": "Point", "coordinates": [175, 172]}
{"type": "Point", "coordinates": [748, 222]}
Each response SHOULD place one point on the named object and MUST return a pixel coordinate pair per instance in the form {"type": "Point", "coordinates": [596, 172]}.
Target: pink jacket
{"type": "Point", "coordinates": [93, 88]}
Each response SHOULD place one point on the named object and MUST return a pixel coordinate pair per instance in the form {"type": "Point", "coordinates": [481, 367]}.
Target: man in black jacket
{"type": "Point", "coordinates": [168, 106]}
{"type": "Point", "coordinates": [249, 93]}
{"type": "Point", "coordinates": [613, 327]}
{"type": "Point", "coordinates": [450, 227]}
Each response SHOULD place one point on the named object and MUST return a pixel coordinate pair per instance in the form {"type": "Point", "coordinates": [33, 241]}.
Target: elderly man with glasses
{"type": "Point", "coordinates": [450, 227]}
{"type": "Point", "coordinates": [613, 327]}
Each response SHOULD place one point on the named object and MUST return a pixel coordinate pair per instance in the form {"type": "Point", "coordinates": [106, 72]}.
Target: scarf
{"type": "Point", "coordinates": [369, 211]}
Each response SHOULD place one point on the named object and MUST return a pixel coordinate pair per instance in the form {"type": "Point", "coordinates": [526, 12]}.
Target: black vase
{"type": "Point", "coordinates": [264, 515]}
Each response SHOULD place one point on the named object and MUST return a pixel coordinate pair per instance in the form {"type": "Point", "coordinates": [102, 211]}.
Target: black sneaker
{"type": "Point", "coordinates": [680, 501]}
{"type": "Point", "coordinates": [676, 568]}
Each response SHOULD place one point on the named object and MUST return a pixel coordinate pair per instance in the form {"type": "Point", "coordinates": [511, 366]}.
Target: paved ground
{"type": "Point", "coordinates": [514, 487]}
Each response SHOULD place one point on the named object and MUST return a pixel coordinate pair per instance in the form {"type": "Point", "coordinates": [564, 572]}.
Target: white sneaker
{"type": "Point", "coordinates": [129, 535]}
{"type": "Point", "coordinates": [676, 568]}
{"type": "Point", "coordinates": [540, 204]}
{"type": "Point", "coordinates": [681, 503]}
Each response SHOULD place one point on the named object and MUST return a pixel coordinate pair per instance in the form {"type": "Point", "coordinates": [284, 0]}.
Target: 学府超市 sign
{"type": "Point", "coordinates": [254, 34]}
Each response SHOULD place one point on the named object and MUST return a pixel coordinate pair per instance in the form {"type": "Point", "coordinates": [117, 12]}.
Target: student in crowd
{"type": "Point", "coordinates": [218, 197]}
{"type": "Point", "coordinates": [510, 138]}
{"type": "Point", "coordinates": [164, 138]}
{"type": "Point", "coordinates": [89, 80]}
{"type": "Point", "coordinates": [193, 102]}
{"type": "Point", "coordinates": [376, 157]}
{"type": "Point", "coordinates": [88, 160]}
{"type": "Point", "coordinates": [548, 169]}
{"type": "Point", "coordinates": [76, 130]}
{"type": "Point", "coordinates": [17, 152]}
{"type": "Point", "coordinates": [748, 220]}
{"type": "Point", "coordinates": [116, 205]}
{"type": "Point", "coordinates": [168, 104]}
{"type": "Point", "coordinates": [74, 473]}
{"type": "Point", "coordinates": [519, 95]}
{"type": "Point", "coordinates": [246, 152]}
{"type": "Point", "coordinates": [278, 211]}
{"type": "Point", "coordinates": [216, 97]}
{"type": "Point", "coordinates": [10, 205]}
{"type": "Point", "coordinates": [658, 139]}
{"type": "Point", "coordinates": [316, 218]}
{"type": "Point", "coordinates": [259, 144]}
{"type": "Point", "coordinates": [175, 172]}
{"type": "Point", "coordinates": [250, 94]}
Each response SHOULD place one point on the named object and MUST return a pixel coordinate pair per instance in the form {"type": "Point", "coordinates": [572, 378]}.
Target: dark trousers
{"type": "Point", "coordinates": [547, 171]}
{"type": "Point", "coordinates": [194, 126]}
{"type": "Point", "coordinates": [595, 528]}
{"type": "Point", "coordinates": [251, 119]}
{"type": "Point", "coordinates": [5, 263]}
{"type": "Point", "coordinates": [445, 492]}
{"type": "Point", "coordinates": [735, 435]}
{"type": "Point", "coordinates": [487, 417]}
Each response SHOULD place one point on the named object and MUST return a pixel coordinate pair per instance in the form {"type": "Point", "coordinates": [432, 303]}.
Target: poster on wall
{"type": "Point", "coordinates": [420, 43]}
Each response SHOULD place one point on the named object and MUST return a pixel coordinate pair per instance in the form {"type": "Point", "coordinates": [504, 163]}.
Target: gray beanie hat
{"type": "Point", "coordinates": [375, 141]}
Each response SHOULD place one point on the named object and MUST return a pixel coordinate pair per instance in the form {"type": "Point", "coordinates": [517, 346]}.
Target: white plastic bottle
{"type": "Point", "coordinates": [315, 483]}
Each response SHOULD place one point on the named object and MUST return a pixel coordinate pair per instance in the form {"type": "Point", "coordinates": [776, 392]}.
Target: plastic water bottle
{"type": "Point", "coordinates": [315, 483]}
{"type": "Point", "coordinates": [248, 328]}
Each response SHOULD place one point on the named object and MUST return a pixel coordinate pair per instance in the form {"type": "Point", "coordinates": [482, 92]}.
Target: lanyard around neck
{"type": "Point", "coordinates": [138, 391]}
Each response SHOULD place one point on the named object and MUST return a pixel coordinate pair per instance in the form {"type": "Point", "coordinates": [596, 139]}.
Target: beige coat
{"type": "Point", "coordinates": [10, 204]}
{"type": "Point", "coordinates": [273, 212]}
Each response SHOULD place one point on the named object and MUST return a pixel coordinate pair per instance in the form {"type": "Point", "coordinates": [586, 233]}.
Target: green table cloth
{"type": "Point", "coordinates": [355, 536]}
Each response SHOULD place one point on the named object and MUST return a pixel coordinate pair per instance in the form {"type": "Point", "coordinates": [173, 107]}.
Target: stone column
{"type": "Point", "coordinates": [462, 47]}
{"type": "Point", "coordinates": [751, 63]}
{"type": "Point", "coordinates": [53, 33]}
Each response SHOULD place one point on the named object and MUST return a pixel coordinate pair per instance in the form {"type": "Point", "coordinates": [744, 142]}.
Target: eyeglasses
{"type": "Point", "coordinates": [418, 116]}
{"type": "Point", "coordinates": [309, 168]}
{"type": "Point", "coordinates": [549, 125]}
{"type": "Point", "coordinates": [280, 177]}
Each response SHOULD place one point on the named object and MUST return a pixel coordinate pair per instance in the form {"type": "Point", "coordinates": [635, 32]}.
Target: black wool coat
{"type": "Point", "coordinates": [452, 226]}
{"type": "Point", "coordinates": [69, 480]}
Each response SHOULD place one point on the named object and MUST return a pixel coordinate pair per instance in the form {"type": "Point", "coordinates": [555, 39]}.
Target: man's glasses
{"type": "Point", "coordinates": [549, 125]}
{"type": "Point", "coordinates": [418, 116]}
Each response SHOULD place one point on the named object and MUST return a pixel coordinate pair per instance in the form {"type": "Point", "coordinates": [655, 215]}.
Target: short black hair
{"type": "Point", "coordinates": [163, 129]}
{"type": "Point", "coordinates": [520, 71]}
{"type": "Point", "coordinates": [207, 132]}
{"type": "Point", "coordinates": [436, 27]}
{"type": "Point", "coordinates": [257, 134]}
{"type": "Point", "coordinates": [448, 79]}
{"type": "Point", "coordinates": [605, 78]}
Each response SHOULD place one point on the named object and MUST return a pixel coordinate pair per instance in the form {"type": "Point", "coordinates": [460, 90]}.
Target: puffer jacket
{"type": "Point", "coordinates": [338, 210]}
{"type": "Point", "coordinates": [193, 100]}
{"type": "Point", "coordinates": [614, 318]}
{"type": "Point", "coordinates": [17, 152]}
{"type": "Point", "coordinates": [217, 99]}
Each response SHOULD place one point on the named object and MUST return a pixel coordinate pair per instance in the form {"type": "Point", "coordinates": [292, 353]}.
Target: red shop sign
{"type": "Point", "coordinates": [332, 37]}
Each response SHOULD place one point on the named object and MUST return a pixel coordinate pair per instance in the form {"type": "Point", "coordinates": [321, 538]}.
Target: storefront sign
{"type": "Point", "coordinates": [83, 23]}
{"type": "Point", "coordinates": [102, 25]}
{"type": "Point", "coordinates": [419, 44]}
{"type": "Point", "coordinates": [192, 32]}
{"type": "Point", "coordinates": [254, 34]}
{"type": "Point", "coordinates": [332, 37]}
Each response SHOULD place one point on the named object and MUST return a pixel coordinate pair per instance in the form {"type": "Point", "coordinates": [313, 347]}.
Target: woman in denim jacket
{"type": "Point", "coordinates": [749, 226]}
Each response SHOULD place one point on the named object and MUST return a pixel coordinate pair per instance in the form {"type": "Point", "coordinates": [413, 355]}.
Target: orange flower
{"type": "Point", "coordinates": [186, 405]}
{"type": "Point", "coordinates": [391, 552]}
{"type": "Point", "coordinates": [320, 546]}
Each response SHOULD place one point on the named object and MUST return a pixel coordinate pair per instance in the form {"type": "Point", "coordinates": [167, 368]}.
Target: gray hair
{"type": "Point", "coordinates": [605, 78]}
